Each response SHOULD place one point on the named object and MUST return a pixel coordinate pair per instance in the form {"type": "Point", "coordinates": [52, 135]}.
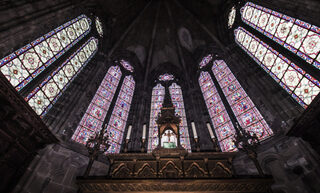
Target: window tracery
{"type": "Point", "coordinates": [92, 120]}
{"type": "Point", "coordinates": [46, 94]}
{"type": "Point", "coordinates": [23, 65]}
{"type": "Point", "coordinates": [241, 105]}
{"type": "Point", "coordinates": [301, 38]}
{"type": "Point", "coordinates": [299, 84]}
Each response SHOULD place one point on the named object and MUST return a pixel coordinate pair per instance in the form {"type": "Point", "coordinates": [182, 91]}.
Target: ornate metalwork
{"type": "Point", "coordinates": [248, 143]}
{"type": "Point", "coordinates": [97, 144]}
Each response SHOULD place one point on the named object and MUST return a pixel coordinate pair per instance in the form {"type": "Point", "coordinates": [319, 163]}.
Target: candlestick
{"type": "Point", "coordinates": [210, 130]}
{"type": "Point", "coordinates": [129, 132]}
{"type": "Point", "coordinates": [144, 131]}
{"type": "Point", "coordinates": [194, 130]}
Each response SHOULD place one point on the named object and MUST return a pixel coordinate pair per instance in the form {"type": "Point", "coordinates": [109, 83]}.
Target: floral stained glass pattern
{"type": "Point", "coordinates": [25, 64]}
{"type": "Point", "coordinates": [177, 100]}
{"type": "Point", "coordinates": [117, 122]}
{"type": "Point", "coordinates": [92, 120]}
{"type": "Point", "coordinates": [46, 94]}
{"type": "Point", "coordinates": [300, 85]}
{"type": "Point", "coordinates": [219, 116]}
{"type": "Point", "coordinates": [158, 93]}
{"type": "Point", "coordinates": [245, 111]}
{"type": "Point", "coordinates": [297, 36]}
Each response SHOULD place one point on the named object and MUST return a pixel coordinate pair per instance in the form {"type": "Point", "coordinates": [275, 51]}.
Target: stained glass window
{"type": "Point", "coordinates": [205, 61]}
{"type": "Point", "coordinates": [300, 85]}
{"type": "Point", "coordinates": [46, 94]}
{"type": "Point", "coordinates": [231, 17]}
{"type": "Point", "coordinates": [99, 27]}
{"type": "Point", "coordinates": [166, 77]}
{"type": "Point", "coordinates": [177, 100]}
{"type": "Point", "coordinates": [243, 108]}
{"type": "Point", "coordinates": [158, 93]}
{"type": "Point", "coordinates": [126, 65]}
{"type": "Point", "coordinates": [25, 64]}
{"type": "Point", "coordinates": [117, 122]}
{"type": "Point", "coordinates": [297, 36]}
{"type": "Point", "coordinates": [218, 114]}
{"type": "Point", "coordinates": [93, 119]}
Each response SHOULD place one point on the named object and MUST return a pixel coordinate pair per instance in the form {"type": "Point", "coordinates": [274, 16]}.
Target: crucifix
{"type": "Point", "coordinates": [169, 134]}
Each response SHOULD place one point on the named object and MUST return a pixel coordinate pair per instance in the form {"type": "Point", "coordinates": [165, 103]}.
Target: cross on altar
{"type": "Point", "coordinates": [169, 134]}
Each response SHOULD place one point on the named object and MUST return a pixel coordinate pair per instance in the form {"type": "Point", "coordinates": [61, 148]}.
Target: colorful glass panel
{"type": "Point", "coordinates": [120, 114]}
{"type": "Point", "coordinates": [282, 70]}
{"type": "Point", "coordinates": [166, 77]}
{"type": "Point", "coordinates": [177, 100]}
{"type": "Point", "coordinates": [126, 65]}
{"type": "Point", "coordinates": [92, 120]}
{"type": "Point", "coordinates": [53, 86]}
{"type": "Point", "coordinates": [158, 93]}
{"type": "Point", "coordinates": [218, 114]}
{"type": "Point", "coordinates": [297, 36]}
{"type": "Point", "coordinates": [245, 111]}
{"type": "Point", "coordinates": [25, 64]}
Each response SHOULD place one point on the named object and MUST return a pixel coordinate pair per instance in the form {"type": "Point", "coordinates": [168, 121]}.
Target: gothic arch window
{"type": "Point", "coordinates": [301, 38]}
{"type": "Point", "coordinates": [158, 93]}
{"type": "Point", "coordinates": [218, 114]}
{"type": "Point", "coordinates": [118, 120]}
{"type": "Point", "coordinates": [99, 26]}
{"type": "Point", "coordinates": [23, 65]}
{"type": "Point", "coordinates": [242, 107]}
{"type": "Point", "coordinates": [92, 121]}
{"type": "Point", "coordinates": [299, 84]}
{"type": "Point", "coordinates": [157, 98]}
{"type": "Point", "coordinates": [46, 94]}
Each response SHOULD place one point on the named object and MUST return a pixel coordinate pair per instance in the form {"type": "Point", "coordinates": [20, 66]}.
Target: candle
{"type": "Point", "coordinates": [129, 132]}
{"type": "Point", "coordinates": [210, 130]}
{"type": "Point", "coordinates": [194, 130]}
{"type": "Point", "coordinates": [144, 131]}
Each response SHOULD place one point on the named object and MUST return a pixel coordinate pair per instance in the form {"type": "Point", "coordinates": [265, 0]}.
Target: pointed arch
{"type": "Point", "coordinates": [95, 114]}
{"type": "Point", "coordinates": [23, 65]}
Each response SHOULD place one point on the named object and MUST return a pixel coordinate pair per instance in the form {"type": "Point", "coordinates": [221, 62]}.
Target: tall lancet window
{"type": "Point", "coordinates": [218, 114]}
{"type": "Point", "coordinates": [156, 104]}
{"type": "Point", "coordinates": [25, 64]}
{"type": "Point", "coordinates": [242, 107]}
{"type": "Point", "coordinates": [120, 114]}
{"type": "Point", "coordinates": [158, 93]}
{"type": "Point", "coordinates": [177, 100]}
{"type": "Point", "coordinates": [93, 119]}
{"type": "Point", "coordinates": [298, 36]}
{"type": "Point", "coordinates": [299, 84]}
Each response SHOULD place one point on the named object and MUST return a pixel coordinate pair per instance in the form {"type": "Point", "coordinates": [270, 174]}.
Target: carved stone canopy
{"type": "Point", "coordinates": [167, 119]}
